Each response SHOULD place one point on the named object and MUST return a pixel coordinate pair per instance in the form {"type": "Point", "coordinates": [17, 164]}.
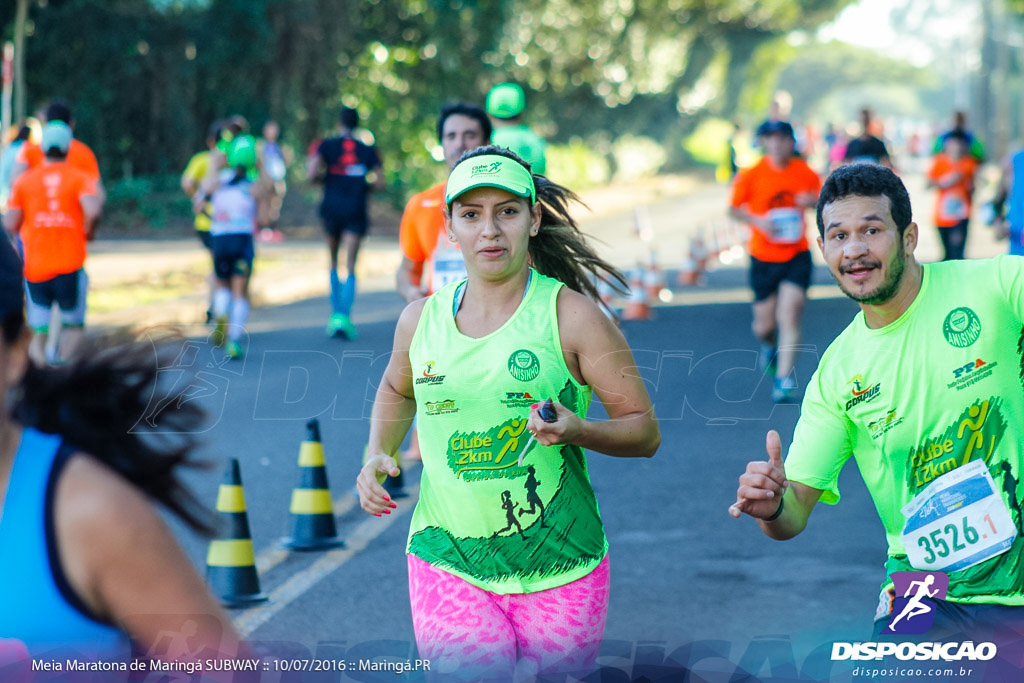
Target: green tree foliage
{"type": "Point", "coordinates": [147, 78]}
{"type": "Point", "coordinates": [816, 71]}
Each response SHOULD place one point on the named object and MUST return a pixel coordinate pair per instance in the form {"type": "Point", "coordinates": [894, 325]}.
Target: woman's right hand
{"type": "Point", "coordinates": [372, 496]}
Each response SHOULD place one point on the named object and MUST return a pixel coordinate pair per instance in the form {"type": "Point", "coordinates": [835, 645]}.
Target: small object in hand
{"type": "Point", "coordinates": [547, 411]}
{"type": "Point", "coordinates": [548, 414]}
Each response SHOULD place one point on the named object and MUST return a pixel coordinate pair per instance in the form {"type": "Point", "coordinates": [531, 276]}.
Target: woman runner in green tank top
{"type": "Point", "coordinates": [507, 553]}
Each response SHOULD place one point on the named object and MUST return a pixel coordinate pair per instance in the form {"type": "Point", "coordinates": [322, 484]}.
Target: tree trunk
{"type": "Point", "coordinates": [20, 19]}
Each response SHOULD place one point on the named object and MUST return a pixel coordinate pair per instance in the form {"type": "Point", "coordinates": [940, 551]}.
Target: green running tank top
{"type": "Point", "coordinates": [500, 526]}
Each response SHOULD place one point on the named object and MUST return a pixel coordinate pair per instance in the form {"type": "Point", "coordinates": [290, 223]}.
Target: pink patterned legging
{"type": "Point", "coordinates": [470, 633]}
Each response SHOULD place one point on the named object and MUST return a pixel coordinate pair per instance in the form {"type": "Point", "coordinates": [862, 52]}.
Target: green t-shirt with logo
{"type": "Point", "coordinates": [530, 147]}
{"type": "Point", "coordinates": [504, 527]}
{"type": "Point", "coordinates": [937, 389]}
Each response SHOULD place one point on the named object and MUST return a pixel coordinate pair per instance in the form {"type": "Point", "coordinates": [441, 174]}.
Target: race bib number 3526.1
{"type": "Point", "coordinates": [958, 521]}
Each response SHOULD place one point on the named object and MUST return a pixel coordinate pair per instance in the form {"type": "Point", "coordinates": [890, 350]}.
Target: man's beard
{"type": "Point", "coordinates": [887, 290]}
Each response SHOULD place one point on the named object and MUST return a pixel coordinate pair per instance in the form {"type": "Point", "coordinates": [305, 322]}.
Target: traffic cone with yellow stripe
{"type": "Point", "coordinates": [231, 563]}
{"type": "Point", "coordinates": [312, 524]}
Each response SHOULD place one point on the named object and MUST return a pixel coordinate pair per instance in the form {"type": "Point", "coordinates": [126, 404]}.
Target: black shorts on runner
{"type": "Point", "coordinates": [232, 255]}
{"type": "Point", "coordinates": [62, 289]}
{"type": "Point", "coordinates": [335, 226]}
{"type": "Point", "coordinates": [204, 237]}
{"type": "Point", "coordinates": [766, 276]}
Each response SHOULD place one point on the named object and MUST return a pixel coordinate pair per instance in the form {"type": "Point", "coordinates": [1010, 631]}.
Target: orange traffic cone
{"type": "Point", "coordinates": [230, 562]}
{"type": "Point", "coordinates": [606, 293]}
{"type": "Point", "coordinates": [688, 273]}
{"type": "Point", "coordinates": [638, 306]}
{"type": "Point", "coordinates": [312, 523]}
{"type": "Point", "coordinates": [699, 253]}
{"type": "Point", "coordinates": [654, 279]}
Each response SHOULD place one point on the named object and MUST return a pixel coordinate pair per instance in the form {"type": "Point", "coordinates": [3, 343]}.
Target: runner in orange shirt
{"type": "Point", "coordinates": [772, 197]}
{"type": "Point", "coordinates": [53, 209]}
{"type": "Point", "coordinates": [429, 260]}
{"type": "Point", "coordinates": [79, 156]}
{"type": "Point", "coordinates": [952, 173]}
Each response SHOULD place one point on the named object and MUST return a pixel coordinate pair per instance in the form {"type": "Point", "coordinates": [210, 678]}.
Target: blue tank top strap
{"type": "Point", "coordinates": [41, 609]}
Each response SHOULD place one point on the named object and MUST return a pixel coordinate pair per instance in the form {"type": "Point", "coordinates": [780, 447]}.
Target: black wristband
{"type": "Point", "coordinates": [782, 504]}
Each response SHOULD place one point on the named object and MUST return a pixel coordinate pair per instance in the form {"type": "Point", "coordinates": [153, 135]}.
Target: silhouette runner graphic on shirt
{"type": "Point", "coordinates": [510, 514]}
{"type": "Point", "coordinates": [531, 496]}
{"type": "Point", "coordinates": [914, 606]}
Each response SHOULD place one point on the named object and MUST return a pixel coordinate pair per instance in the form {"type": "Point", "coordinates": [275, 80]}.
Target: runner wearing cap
{"type": "Point", "coordinates": [345, 163]}
{"type": "Point", "coordinates": [506, 103]}
{"type": "Point", "coordinates": [472, 361]}
{"type": "Point", "coordinates": [772, 197]}
{"type": "Point", "coordinates": [88, 561]}
{"type": "Point", "coordinates": [79, 155]}
{"type": "Point", "coordinates": [232, 195]}
{"type": "Point", "coordinates": [923, 390]}
{"type": "Point", "coordinates": [52, 209]}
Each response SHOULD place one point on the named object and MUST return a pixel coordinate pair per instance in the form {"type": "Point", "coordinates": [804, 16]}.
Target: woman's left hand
{"type": "Point", "coordinates": [567, 428]}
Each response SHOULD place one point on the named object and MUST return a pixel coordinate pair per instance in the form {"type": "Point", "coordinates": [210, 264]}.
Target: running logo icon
{"type": "Point", "coordinates": [914, 612]}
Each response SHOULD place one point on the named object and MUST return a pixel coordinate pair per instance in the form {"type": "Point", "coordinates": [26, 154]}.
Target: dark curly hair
{"type": "Point", "coordinates": [866, 180]}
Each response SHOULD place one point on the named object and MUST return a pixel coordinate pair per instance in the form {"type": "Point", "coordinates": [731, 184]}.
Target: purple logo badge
{"type": "Point", "coordinates": [913, 609]}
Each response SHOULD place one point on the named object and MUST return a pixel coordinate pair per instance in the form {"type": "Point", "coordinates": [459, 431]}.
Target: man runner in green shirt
{"type": "Point", "coordinates": [924, 390]}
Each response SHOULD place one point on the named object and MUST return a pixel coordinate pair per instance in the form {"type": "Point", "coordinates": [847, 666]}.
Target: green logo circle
{"type": "Point", "coordinates": [523, 365]}
{"type": "Point", "coordinates": [961, 327]}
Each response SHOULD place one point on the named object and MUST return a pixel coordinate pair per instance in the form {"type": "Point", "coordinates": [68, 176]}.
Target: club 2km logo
{"type": "Point", "coordinates": [486, 169]}
{"type": "Point", "coordinates": [914, 612]}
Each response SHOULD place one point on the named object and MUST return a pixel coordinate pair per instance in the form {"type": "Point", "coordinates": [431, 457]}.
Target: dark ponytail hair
{"type": "Point", "coordinates": [560, 250]}
{"type": "Point", "coordinates": [109, 401]}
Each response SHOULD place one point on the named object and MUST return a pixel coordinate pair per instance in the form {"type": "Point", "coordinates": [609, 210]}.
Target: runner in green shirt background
{"type": "Point", "coordinates": [506, 103]}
